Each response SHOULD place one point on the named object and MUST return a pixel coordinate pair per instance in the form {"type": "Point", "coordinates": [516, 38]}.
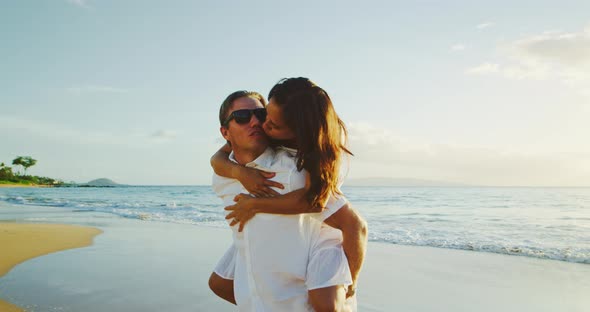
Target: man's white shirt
{"type": "Point", "coordinates": [278, 258]}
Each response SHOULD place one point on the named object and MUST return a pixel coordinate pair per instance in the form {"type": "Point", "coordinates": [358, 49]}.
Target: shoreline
{"type": "Point", "coordinates": [25, 185]}
{"type": "Point", "coordinates": [20, 242]}
{"type": "Point", "coordinates": [144, 255]}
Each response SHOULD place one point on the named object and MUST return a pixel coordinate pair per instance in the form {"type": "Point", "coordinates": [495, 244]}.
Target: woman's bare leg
{"type": "Point", "coordinates": [222, 287]}
{"type": "Point", "coordinates": [328, 299]}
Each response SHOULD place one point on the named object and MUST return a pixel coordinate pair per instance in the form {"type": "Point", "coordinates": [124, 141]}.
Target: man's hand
{"type": "Point", "coordinates": [350, 291]}
{"type": "Point", "coordinates": [241, 211]}
{"type": "Point", "coordinates": [257, 182]}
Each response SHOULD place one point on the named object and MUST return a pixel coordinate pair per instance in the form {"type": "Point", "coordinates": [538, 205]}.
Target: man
{"type": "Point", "coordinates": [278, 262]}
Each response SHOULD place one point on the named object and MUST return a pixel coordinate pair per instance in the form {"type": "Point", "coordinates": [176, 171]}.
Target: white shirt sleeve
{"type": "Point", "coordinates": [226, 266]}
{"type": "Point", "coordinates": [328, 265]}
{"type": "Point", "coordinates": [335, 202]}
{"type": "Point", "coordinates": [297, 181]}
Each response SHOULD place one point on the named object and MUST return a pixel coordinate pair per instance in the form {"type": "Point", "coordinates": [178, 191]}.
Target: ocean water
{"type": "Point", "coordinates": [547, 223]}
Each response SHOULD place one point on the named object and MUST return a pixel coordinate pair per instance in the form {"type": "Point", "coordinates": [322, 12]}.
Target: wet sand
{"type": "Point", "coordinates": [20, 242]}
{"type": "Point", "coordinates": [140, 265]}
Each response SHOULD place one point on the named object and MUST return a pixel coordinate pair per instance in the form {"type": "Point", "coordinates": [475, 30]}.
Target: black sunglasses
{"type": "Point", "coordinates": [242, 116]}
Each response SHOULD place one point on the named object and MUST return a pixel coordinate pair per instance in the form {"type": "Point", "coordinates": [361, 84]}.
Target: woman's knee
{"type": "Point", "coordinates": [217, 284]}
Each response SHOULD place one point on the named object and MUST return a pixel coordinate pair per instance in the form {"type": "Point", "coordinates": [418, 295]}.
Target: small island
{"type": "Point", "coordinates": [102, 182]}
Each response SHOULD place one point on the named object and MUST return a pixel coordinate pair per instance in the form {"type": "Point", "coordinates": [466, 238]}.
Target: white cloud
{"type": "Point", "coordinates": [468, 164]}
{"type": "Point", "coordinates": [485, 25]}
{"type": "Point", "coordinates": [517, 72]}
{"type": "Point", "coordinates": [85, 89]}
{"type": "Point", "coordinates": [458, 47]}
{"type": "Point", "coordinates": [567, 49]}
{"type": "Point", "coordinates": [80, 3]}
{"type": "Point", "coordinates": [485, 68]}
{"type": "Point", "coordinates": [164, 135]}
{"type": "Point", "coordinates": [564, 57]}
{"type": "Point", "coordinates": [63, 133]}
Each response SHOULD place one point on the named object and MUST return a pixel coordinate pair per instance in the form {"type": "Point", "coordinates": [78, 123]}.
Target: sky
{"type": "Point", "coordinates": [494, 93]}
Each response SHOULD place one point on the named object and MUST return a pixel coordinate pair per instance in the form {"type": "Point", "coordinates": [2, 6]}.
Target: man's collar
{"type": "Point", "coordinates": [263, 161]}
{"type": "Point", "coordinates": [292, 151]}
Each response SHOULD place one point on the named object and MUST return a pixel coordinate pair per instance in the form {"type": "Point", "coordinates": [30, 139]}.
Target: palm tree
{"type": "Point", "coordinates": [5, 172]}
{"type": "Point", "coordinates": [17, 161]}
{"type": "Point", "coordinates": [25, 162]}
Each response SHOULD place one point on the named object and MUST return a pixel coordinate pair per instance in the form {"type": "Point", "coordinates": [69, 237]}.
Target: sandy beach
{"type": "Point", "coordinates": [139, 265]}
{"type": "Point", "coordinates": [16, 185]}
{"type": "Point", "coordinates": [7, 307]}
{"type": "Point", "coordinates": [23, 185]}
{"type": "Point", "coordinates": [20, 242]}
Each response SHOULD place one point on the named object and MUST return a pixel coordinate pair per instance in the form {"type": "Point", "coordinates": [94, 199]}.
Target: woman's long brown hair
{"type": "Point", "coordinates": [319, 133]}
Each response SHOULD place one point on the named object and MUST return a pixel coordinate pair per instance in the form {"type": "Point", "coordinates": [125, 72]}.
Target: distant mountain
{"type": "Point", "coordinates": [398, 182]}
{"type": "Point", "coordinates": [102, 182]}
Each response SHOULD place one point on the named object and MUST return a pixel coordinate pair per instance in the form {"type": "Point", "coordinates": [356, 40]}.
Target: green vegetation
{"type": "Point", "coordinates": [25, 162]}
{"type": "Point", "coordinates": [9, 176]}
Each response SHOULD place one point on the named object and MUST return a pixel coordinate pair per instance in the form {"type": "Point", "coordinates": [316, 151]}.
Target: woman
{"type": "Point", "coordinates": [301, 118]}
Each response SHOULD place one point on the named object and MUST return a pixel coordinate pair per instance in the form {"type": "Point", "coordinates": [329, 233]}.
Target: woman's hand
{"type": "Point", "coordinates": [241, 211]}
{"type": "Point", "coordinates": [257, 182]}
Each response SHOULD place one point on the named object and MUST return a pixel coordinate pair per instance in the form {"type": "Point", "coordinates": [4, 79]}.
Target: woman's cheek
{"type": "Point", "coordinates": [267, 130]}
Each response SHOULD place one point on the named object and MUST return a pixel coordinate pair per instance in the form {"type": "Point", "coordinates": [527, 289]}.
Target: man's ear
{"type": "Point", "coordinates": [224, 132]}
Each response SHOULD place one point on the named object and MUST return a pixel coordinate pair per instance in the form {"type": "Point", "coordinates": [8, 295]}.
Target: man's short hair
{"type": "Point", "coordinates": [229, 101]}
